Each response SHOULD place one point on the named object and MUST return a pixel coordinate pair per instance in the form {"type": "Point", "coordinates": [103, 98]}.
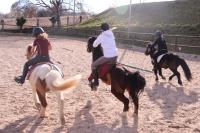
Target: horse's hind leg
{"type": "Point", "coordinates": [178, 76]}
{"type": "Point", "coordinates": [160, 72]}
{"type": "Point", "coordinates": [42, 98]}
{"type": "Point", "coordinates": [61, 107]}
{"type": "Point", "coordinates": [135, 101]}
{"type": "Point", "coordinates": [122, 98]}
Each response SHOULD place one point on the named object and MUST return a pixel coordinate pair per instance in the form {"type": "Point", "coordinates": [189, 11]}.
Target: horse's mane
{"type": "Point", "coordinates": [97, 51]}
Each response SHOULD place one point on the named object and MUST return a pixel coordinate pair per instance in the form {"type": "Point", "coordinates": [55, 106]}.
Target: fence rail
{"type": "Point", "coordinates": [177, 43]}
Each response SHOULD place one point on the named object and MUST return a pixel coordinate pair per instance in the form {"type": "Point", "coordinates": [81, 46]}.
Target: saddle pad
{"type": "Point", "coordinates": [160, 57]}
{"type": "Point", "coordinates": [53, 67]}
{"type": "Point", "coordinates": [104, 69]}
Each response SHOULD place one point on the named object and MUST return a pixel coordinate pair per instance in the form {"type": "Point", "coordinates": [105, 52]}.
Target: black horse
{"type": "Point", "coordinates": [170, 61]}
{"type": "Point", "coordinates": [120, 79]}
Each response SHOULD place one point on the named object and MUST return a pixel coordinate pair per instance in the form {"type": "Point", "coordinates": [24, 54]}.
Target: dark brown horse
{"type": "Point", "coordinates": [120, 79]}
{"type": "Point", "coordinates": [170, 61]}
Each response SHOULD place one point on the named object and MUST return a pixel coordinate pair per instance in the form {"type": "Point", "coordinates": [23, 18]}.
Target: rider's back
{"type": "Point", "coordinates": [107, 40]}
{"type": "Point", "coordinates": [161, 43]}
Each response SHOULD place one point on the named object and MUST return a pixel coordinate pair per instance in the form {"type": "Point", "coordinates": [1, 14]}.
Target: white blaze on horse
{"type": "Point", "coordinates": [43, 79]}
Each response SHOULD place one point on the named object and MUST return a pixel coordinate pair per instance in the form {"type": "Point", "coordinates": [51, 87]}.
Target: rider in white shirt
{"type": "Point", "coordinates": [107, 41]}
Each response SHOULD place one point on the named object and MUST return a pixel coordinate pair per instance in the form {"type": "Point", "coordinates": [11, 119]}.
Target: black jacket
{"type": "Point", "coordinates": [161, 43]}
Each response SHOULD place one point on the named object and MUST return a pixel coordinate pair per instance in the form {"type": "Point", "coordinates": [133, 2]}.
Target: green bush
{"type": "Point", "coordinates": [20, 22]}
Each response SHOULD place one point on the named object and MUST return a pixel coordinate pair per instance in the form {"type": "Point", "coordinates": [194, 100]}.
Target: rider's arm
{"type": "Point", "coordinates": [98, 41]}
{"type": "Point", "coordinates": [33, 50]}
{"type": "Point", "coordinates": [155, 43]}
{"type": "Point", "coordinates": [49, 46]}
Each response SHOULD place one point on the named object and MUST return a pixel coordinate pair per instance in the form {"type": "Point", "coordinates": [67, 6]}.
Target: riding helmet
{"type": "Point", "coordinates": [104, 26]}
{"type": "Point", "coordinates": [37, 31]}
{"type": "Point", "coordinates": [158, 34]}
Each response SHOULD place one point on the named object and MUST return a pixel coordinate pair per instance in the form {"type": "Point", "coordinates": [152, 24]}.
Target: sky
{"type": "Point", "coordinates": [95, 6]}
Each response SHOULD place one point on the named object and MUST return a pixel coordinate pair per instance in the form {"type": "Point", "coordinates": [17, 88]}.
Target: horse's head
{"type": "Point", "coordinates": [149, 49]}
{"type": "Point", "coordinates": [96, 51]}
{"type": "Point", "coordinates": [90, 44]}
{"type": "Point", "coordinates": [28, 52]}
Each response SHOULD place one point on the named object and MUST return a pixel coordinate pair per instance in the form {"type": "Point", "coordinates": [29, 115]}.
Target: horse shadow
{"type": "Point", "coordinates": [20, 125]}
{"type": "Point", "coordinates": [171, 98]}
{"type": "Point", "coordinates": [85, 123]}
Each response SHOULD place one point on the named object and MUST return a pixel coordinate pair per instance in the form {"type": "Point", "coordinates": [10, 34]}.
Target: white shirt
{"type": "Point", "coordinates": [107, 41]}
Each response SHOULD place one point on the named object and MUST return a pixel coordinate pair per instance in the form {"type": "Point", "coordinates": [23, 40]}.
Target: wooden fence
{"type": "Point", "coordinates": [177, 43]}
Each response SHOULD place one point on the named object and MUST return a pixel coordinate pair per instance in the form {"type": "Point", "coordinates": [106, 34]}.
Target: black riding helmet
{"type": "Point", "coordinates": [37, 31]}
{"type": "Point", "coordinates": [105, 26]}
{"type": "Point", "coordinates": [158, 34]}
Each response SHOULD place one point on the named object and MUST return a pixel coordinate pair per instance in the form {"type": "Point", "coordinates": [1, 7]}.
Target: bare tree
{"type": "Point", "coordinates": [23, 8]}
{"type": "Point", "coordinates": [57, 7]}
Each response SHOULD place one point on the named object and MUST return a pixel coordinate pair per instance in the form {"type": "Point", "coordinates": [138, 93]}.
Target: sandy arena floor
{"type": "Point", "coordinates": [164, 106]}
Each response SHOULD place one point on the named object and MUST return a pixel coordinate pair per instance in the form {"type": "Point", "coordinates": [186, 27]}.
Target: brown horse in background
{"type": "Point", "coordinates": [120, 79]}
{"type": "Point", "coordinates": [170, 61]}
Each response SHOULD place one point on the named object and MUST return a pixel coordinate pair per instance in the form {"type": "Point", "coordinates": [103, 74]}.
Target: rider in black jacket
{"type": "Point", "coordinates": [160, 45]}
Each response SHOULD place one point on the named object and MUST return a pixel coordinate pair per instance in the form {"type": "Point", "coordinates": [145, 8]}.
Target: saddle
{"type": "Point", "coordinates": [52, 66]}
{"type": "Point", "coordinates": [103, 70]}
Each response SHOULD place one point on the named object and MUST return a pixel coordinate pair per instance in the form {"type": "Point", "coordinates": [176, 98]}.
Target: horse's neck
{"type": "Point", "coordinates": [97, 53]}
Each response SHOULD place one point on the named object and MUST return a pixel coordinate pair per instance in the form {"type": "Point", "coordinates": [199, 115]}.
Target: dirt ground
{"type": "Point", "coordinates": [164, 106]}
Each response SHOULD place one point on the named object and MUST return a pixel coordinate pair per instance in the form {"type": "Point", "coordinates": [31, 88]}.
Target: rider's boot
{"type": "Point", "coordinates": [95, 84]}
{"type": "Point", "coordinates": [19, 79]}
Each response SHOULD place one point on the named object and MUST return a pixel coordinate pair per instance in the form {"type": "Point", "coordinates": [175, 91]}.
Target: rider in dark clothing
{"type": "Point", "coordinates": [160, 43]}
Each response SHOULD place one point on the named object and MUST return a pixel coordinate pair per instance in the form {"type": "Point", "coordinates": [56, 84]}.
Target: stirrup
{"type": "Point", "coordinates": [19, 80]}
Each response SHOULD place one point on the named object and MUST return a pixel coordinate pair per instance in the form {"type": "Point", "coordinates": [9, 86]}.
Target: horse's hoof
{"type": "Point", "coordinates": [94, 88]}
{"type": "Point", "coordinates": [156, 79]}
{"type": "Point", "coordinates": [163, 78]}
{"type": "Point", "coordinates": [124, 114]}
{"type": "Point", "coordinates": [37, 106]}
{"type": "Point", "coordinates": [62, 121]}
{"type": "Point", "coordinates": [42, 116]}
{"type": "Point", "coordinates": [135, 113]}
{"type": "Point", "coordinates": [180, 83]}
{"type": "Point", "coordinates": [170, 78]}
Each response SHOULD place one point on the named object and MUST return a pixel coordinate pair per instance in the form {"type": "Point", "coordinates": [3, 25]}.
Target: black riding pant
{"type": "Point", "coordinates": [33, 61]}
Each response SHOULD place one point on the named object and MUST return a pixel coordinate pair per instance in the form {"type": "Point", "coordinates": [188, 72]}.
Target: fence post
{"type": "Point", "coordinates": [67, 21]}
{"type": "Point", "coordinates": [2, 24]}
{"type": "Point", "coordinates": [176, 47]}
{"type": "Point", "coordinates": [38, 22]}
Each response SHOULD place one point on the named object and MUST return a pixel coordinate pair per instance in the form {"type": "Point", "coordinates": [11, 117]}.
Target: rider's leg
{"type": "Point", "coordinates": [97, 63]}
{"type": "Point", "coordinates": [33, 61]}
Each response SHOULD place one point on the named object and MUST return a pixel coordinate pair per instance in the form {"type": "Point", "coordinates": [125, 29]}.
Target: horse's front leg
{"type": "Point", "coordinates": [60, 97]}
{"type": "Point", "coordinates": [42, 98]}
{"type": "Point", "coordinates": [160, 73]}
{"type": "Point", "coordinates": [155, 72]}
{"type": "Point", "coordinates": [35, 98]}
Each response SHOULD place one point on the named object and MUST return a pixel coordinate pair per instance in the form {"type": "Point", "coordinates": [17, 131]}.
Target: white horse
{"type": "Point", "coordinates": [43, 79]}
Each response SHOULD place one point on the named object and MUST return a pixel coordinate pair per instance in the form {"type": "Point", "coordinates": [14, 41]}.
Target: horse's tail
{"type": "Point", "coordinates": [137, 82]}
{"type": "Point", "coordinates": [70, 83]}
{"type": "Point", "coordinates": [186, 69]}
